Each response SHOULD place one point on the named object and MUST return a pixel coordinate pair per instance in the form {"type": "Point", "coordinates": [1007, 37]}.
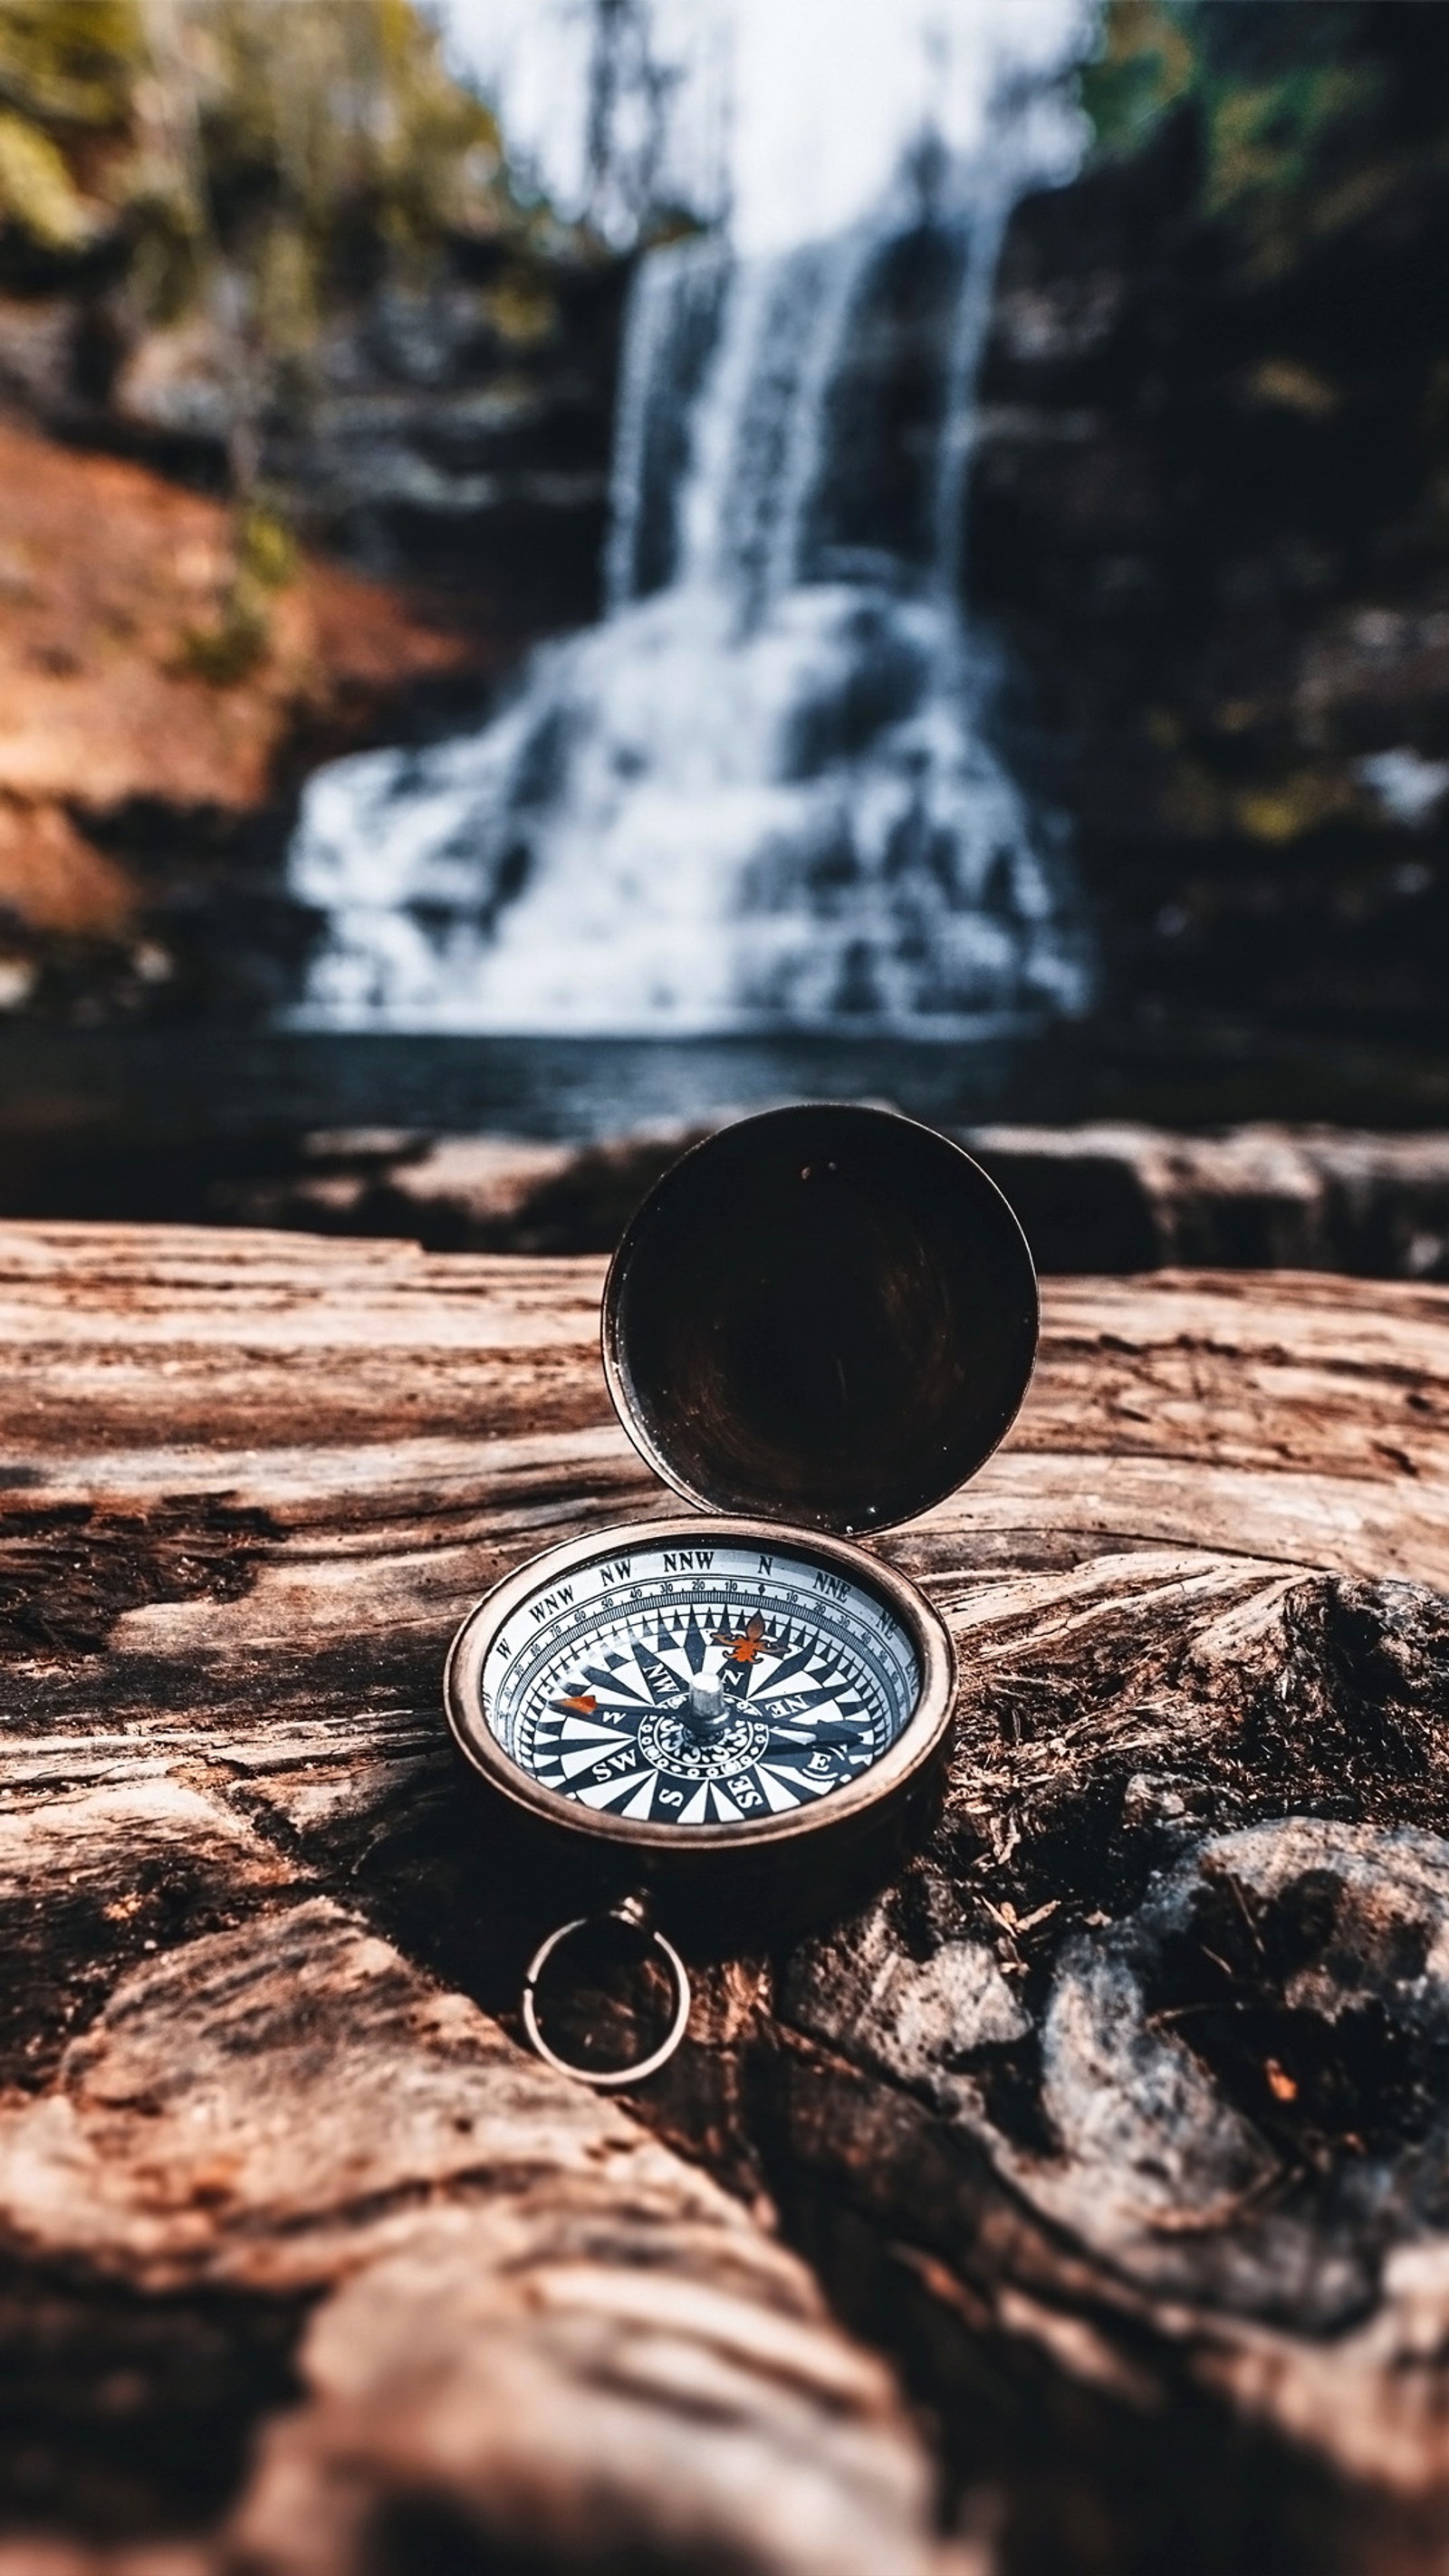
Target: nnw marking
{"type": "Point", "coordinates": [689, 1560]}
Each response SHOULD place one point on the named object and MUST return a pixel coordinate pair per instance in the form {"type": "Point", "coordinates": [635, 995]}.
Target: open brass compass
{"type": "Point", "coordinates": [819, 1323]}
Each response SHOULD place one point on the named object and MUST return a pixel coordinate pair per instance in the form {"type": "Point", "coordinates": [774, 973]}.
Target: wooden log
{"type": "Point", "coordinates": [1119, 2123]}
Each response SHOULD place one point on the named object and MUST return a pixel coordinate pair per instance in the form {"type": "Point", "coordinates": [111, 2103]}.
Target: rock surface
{"type": "Point", "coordinates": [1208, 516]}
{"type": "Point", "coordinates": [136, 791]}
{"type": "Point", "coordinates": [437, 449]}
{"type": "Point", "coordinates": [1113, 1196]}
{"type": "Point", "coordinates": [1117, 2120]}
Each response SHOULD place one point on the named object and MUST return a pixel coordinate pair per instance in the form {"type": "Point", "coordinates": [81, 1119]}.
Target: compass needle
{"type": "Point", "coordinates": [613, 1681]}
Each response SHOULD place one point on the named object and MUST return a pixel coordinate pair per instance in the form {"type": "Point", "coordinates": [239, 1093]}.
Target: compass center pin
{"type": "Point", "coordinates": [677, 1744]}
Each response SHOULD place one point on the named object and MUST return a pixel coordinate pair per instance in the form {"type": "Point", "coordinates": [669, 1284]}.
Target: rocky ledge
{"type": "Point", "coordinates": [1107, 1197]}
{"type": "Point", "coordinates": [1209, 518]}
{"type": "Point", "coordinates": [155, 719]}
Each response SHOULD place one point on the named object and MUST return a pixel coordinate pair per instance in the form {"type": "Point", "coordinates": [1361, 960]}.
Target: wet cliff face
{"type": "Point", "coordinates": [456, 432]}
{"type": "Point", "coordinates": [1211, 514]}
{"type": "Point", "coordinates": [339, 288]}
{"type": "Point", "coordinates": [450, 430]}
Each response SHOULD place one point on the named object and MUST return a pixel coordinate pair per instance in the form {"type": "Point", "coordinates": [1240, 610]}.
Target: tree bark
{"type": "Point", "coordinates": [1080, 2205]}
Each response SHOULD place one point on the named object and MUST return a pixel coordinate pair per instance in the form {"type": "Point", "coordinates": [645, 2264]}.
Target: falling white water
{"type": "Point", "coordinates": [761, 794]}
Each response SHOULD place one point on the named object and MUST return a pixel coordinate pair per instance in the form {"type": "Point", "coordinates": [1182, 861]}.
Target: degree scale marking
{"type": "Point", "coordinates": [690, 1729]}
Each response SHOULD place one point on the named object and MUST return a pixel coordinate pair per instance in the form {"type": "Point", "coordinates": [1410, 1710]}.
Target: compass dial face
{"type": "Point", "coordinates": [700, 1684]}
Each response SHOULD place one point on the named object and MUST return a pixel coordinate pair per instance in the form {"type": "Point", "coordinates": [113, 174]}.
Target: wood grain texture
{"type": "Point", "coordinates": [1130, 2095]}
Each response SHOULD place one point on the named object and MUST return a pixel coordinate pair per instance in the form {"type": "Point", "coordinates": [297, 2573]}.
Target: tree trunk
{"type": "Point", "coordinates": [1118, 2124]}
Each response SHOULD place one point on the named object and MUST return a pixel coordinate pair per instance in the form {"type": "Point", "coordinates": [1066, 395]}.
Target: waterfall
{"type": "Point", "coordinates": [761, 794]}
{"type": "Point", "coordinates": [673, 322]}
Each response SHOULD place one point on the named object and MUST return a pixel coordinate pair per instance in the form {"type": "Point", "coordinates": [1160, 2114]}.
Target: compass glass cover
{"type": "Point", "coordinates": [694, 1685]}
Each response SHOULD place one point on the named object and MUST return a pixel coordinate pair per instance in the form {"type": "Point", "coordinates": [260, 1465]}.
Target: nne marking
{"type": "Point", "coordinates": [549, 1602]}
{"type": "Point", "coordinates": [834, 1584]}
{"type": "Point", "coordinates": [689, 1560]}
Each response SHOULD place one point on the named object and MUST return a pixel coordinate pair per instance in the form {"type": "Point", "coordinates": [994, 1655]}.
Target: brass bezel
{"type": "Point", "coordinates": [914, 1748]}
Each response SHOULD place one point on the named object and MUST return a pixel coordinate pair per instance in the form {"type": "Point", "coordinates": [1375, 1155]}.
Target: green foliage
{"type": "Point", "coordinates": [68, 70]}
{"type": "Point", "coordinates": [300, 145]}
{"type": "Point", "coordinates": [266, 552]}
{"type": "Point", "coordinates": [1267, 138]}
{"type": "Point", "coordinates": [520, 306]}
{"type": "Point", "coordinates": [231, 647]}
{"type": "Point", "coordinates": [303, 149]}
{"type": "Point", "coordinates": [1295, 101]}
{"type": "Point", "coordinates": [1144, 62]}
{"type": "Point", "coordinates": [37, 193]}
{"type": "Point", "coordinates": [252, 166]}
{"type": "Point", "coordinates": [264, 559]}
{"type": "Point", "coordinates": [69, 66]}
{"type": "Point", "coordinates": [338, 123]}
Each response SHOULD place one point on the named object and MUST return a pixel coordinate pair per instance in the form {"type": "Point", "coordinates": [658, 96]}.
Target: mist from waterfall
{"type": "Point", "coordinates": [761, 795]}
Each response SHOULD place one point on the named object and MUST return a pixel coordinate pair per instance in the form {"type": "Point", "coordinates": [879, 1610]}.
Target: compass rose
{"type": "Point", "coordinates": [695, 1705]}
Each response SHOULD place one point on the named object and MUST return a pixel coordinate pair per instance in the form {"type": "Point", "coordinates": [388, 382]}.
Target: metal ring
{"type": "Point", "coordinates": [607, 2079]}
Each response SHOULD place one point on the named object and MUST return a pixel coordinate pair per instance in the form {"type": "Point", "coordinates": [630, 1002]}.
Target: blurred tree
{"type": "Point", "coordinates": [1305, 107]}
{"type": "Point", "coordinates": [316, 143]}
{"type": "Point", "coordinates": [1142, 63]}
{"type": "Point", "coordinates": [251, 202]}
{"type": "Point", "coordinates": [627, 117]}
{"type": "Point", "coordinates": [294, 154]}
{"type": "Point", "coordinates": [67, 87]}
{"type": "Point", "coordinates": [643, 181]}
{"type": "Point", "coordinates": [268, 156]}
{"type": "Point", "coordinates": [247, 168]}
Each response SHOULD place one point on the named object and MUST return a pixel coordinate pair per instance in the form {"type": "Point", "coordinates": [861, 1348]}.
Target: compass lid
{"type": "Point", "coordinates": [823, 1315]}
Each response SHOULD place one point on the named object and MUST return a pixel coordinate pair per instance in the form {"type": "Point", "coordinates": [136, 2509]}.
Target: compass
{"type": "Point", "coordinates": [819, 1323]}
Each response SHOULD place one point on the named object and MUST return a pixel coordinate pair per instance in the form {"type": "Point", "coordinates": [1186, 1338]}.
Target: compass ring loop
{"type": "Point", "coordinates": [612, 2078]}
